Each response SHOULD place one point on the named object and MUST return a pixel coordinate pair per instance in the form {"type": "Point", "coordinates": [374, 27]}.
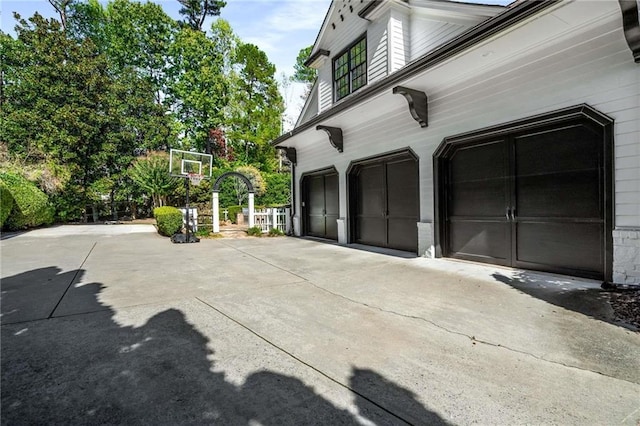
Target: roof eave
{"type": "Point", "coordinates": [474, 35]}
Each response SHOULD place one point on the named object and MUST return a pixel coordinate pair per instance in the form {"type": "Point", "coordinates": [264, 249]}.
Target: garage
{"type": "Point", "coordinates": [384, 202]}
{"type": "Point", "coordinates": [321, 206]}
{"type": "Point", "coordinates": [530, 195]}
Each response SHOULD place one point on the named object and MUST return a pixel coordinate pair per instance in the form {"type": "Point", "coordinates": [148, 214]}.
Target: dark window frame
{"type": "Point", "coordinates": [350, 72]}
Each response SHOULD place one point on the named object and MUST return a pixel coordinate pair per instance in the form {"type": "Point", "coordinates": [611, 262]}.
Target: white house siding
{"type": "Point", "coordinates": [336, 40]}
{"type": "Point", "coordinates": [325, 88]}
{"type": "Point", "coordinates": [593, 66]}
{"type": "Point", "coordinates": [427, 34]}
{"type": "Point", "coordinates": [399, 40]}
{"type": "Point", "coordinates": [377, 41]}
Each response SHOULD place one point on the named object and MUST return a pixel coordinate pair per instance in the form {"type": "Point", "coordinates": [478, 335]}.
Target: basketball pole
{"type": "Point", "coordinates": [187, 185]}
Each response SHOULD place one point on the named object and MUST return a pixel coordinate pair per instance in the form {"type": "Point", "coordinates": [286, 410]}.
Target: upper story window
{"type": "Point", "coordinates": [350, 69]}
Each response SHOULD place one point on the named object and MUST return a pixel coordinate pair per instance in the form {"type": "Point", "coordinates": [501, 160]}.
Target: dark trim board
{"type": "Point", "coordinates": [402, 152]}
{"type": "Point", "coordinates": [582, 116]}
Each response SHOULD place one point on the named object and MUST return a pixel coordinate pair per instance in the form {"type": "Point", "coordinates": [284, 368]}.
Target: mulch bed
{"type": "Point", "coordinates": [626, 306]}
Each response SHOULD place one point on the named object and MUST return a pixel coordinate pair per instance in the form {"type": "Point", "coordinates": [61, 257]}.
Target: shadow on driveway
{"type": "Point", "coordinates": [589, 300]}
{"type": "Point", "coordinates": [87, 369]}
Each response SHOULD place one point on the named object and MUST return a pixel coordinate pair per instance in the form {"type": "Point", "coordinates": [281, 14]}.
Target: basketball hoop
{"type": "Point", "coordinates": [195, 178]}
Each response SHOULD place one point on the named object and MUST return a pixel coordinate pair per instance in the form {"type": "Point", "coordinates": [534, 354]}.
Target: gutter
{"type": "Point", "coordinates": [473, 36]}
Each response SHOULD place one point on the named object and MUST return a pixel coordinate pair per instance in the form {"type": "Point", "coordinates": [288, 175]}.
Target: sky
{"type": "Point", "coordinates": [279, 27]}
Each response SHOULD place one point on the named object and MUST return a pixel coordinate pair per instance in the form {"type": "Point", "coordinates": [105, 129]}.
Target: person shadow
{"type": "Point", "coordinates": [89, 369]}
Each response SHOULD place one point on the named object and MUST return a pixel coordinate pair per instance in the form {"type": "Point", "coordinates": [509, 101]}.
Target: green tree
{"type": "Point", "coordinates": [257, 108]}
{"type": "Point", "coordinates": [255, 177]}
{"type": "Point", "coordinates": [62, 7]}
{"type": "Point", "coordinates": [195, 11]}
{"type": "Point", "coordinates": [278, 190]}
{"type": "Point", "coordinates": [132, 35]}
{"type": "Point", "coordinates": [199, 91]}
{"type": "Point", "coordinates": [64, 106]}
{"type": "Point", "coordinates": [151, 174]}
{"type": "Point", "coordinates": [303, 73]}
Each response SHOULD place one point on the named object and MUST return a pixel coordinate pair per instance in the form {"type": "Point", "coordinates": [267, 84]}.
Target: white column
{"type": "Point", "coordinates": [251, 219]}
{"type": "Point", "coordinates": [274, 212]}
{"type": "Point", "coordinates": [287, 220]}
{"type": "Point", "coordinates": [215, 213]}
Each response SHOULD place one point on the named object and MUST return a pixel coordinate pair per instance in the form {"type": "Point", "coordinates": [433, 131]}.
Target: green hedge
{"type": "Point", "coordinates": [6, 203]}
{"type": "Point", "coordinates": [168, 219]}
{"type": "Point", "coordinates": [233, 213]}
{"type": "Point", "coordinates": [31, 206]}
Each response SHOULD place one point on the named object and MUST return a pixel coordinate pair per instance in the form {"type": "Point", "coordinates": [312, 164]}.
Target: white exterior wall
{"type": "Point", "coordinates": [377, 50]}
{"type": "Point", "coordinates": [399, 40]}
{"type": "Point", "coordinates": [325, 87]}
{"type": "Point", "coordinates": [427, 34]}
{"type": "Point", "coordinates": [593, 66]}
{"type": "Point", "coordinates": [345, 33]}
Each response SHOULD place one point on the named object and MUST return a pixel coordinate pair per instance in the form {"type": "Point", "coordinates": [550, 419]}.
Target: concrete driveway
{"type": "Point", "coordinates": [114, 324]}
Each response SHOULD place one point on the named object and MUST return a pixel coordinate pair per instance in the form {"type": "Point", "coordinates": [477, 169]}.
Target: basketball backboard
{"type": "Point", "coordinates": [184, 163]}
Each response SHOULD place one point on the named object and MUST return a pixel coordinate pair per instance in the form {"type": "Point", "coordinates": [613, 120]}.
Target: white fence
{"type": "Point", "coordinates": [270, 218]}
{"type": "Point", "coordinates": [193, 218]}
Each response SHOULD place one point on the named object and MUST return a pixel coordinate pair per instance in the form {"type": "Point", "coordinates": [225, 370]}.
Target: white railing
{"type": "Point", "coordinates": [278, 218]}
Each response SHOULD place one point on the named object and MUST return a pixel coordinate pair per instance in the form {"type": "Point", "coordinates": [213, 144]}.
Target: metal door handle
{"type": "Point", "coordinates": [507, 213]}
{"type": "Point", "coordinates": [513, 214]}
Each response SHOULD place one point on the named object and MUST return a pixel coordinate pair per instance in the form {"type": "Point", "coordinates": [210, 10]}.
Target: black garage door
{"type": "Point", "coordinates": [533, 199]}
{"type": "Point", "coordinates": [321, 205]}
{"type": "Point", "coordinates": [384, 198]}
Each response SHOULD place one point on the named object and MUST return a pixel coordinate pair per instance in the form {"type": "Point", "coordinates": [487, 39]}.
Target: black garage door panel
{"type": "Point", "coordinates": [478, 180]}
{"type": "Point", "coordinates": [478, 196]}
{"type": "Point", "coordinates": [531, 200]}
{"type": "Point", "coordinates": [386, 203]}
{"type": "Point", "coordinates": [322, 205]}
{"type": "Point", "coordinates": [558, 174]}
{"type": "Point", "coordinates": [316, 205]}
{"type": "Point", "coordinates": [371, 227]}
{"type": "Point", "coordinates": [486, 241]}
{"type": "Point", "coordinates": [332, 206]}
{"type": "Point", "coordinates": [560, 246]}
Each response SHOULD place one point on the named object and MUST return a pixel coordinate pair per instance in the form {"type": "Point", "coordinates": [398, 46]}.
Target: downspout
{"type": "Point", "coordinates": [293, 197]}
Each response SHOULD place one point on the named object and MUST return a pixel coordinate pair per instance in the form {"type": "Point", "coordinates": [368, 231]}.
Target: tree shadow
{"type": "Point", "coordinates": [88, 369]}
{"type": "Point", "coordinates": [34, 294]}
{"type": "Point", "coordinates": [582, 297]}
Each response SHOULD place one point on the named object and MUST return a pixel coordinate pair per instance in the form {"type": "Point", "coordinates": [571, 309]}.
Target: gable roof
{"type": "Point", "coordinates": [514, 14]}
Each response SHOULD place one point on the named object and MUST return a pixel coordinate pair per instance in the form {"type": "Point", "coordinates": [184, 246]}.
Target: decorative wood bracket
{"type": "Point", "coordinates": [335, 136]}
{"type": "Point", "coordinates": [290, 153]}
{"type": "Point", "coordinates": [631, 25]}
{"type": "Point", "coordinates": [418, 103]}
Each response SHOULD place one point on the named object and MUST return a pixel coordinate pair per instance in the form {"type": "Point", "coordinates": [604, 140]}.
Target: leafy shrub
{"type": "Point", "coordinates": [6, 203]}
{"type": "Point", "coordinates": [168, 220]}
{"type": "Point", "coordinates": [151, 175]}
{"type": "Point", "coordinates": [275, 232]}
{"type": "Point", "coordinates": [278, 190]}
{"type": "Point", "coordinates": [255, 231]}
{"type": "Point", "coordinates": [202, 232]}
{"type": "Point", "coordinates": [31, 206]}
{"type": "Point", "coordinates": [232, 214]}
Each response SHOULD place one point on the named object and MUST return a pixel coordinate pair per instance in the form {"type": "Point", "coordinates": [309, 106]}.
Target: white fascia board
{"type": "Point", "coordinates": [453, 12]}
{"type": "Point", "coordinates": [386, 6]}
{"type": "Point", "coordinates": [320, 37]}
